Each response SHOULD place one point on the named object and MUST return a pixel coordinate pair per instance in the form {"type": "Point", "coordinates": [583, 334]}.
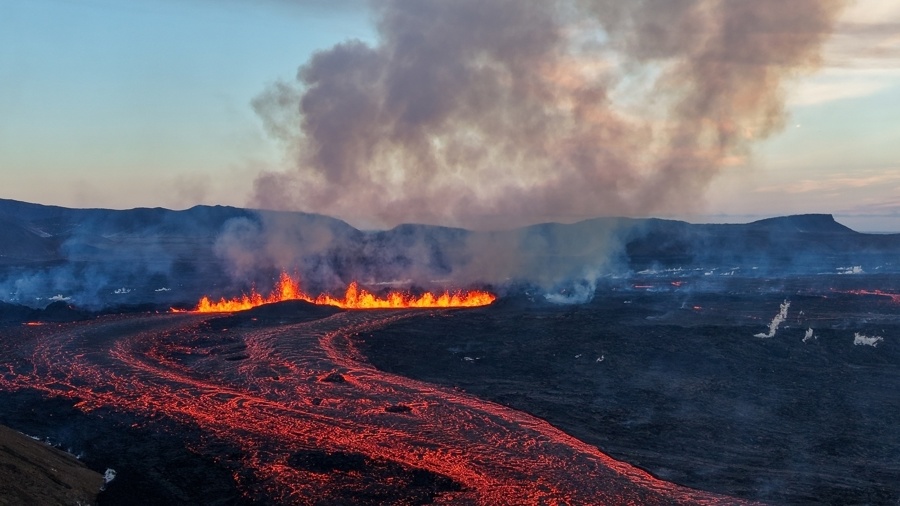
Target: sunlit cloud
{"type": "Point", "coordinates": [866, 37]}
{"type": "Point", "coordinates": [837, 183]}
{"type": "Point", "coordinates": [820, 91]}
{"type": "Point", "coordinates": [862, 57]}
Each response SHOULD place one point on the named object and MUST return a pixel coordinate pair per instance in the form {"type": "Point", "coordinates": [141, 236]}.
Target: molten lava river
{"type": "Point", "coordinates": [282, 393]}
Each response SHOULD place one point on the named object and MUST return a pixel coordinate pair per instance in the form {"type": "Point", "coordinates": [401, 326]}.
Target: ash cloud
{"type": "Point", "coordinates": [500, 113]}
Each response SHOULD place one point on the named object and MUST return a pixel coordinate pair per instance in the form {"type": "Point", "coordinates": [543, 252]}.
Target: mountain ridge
{"type": "Point", "coordinates": [220, 250]}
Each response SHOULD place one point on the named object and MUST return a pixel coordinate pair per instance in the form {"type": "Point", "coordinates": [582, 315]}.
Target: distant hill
{"type": "Point", "coordinates": [102, 256]}
{"type": "Point", "coordinates": [804, 243]}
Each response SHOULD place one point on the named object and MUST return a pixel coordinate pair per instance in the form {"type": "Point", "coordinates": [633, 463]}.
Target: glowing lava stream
{"type": "Point", "coordinates": [354, 298]}
{"type": "Point", "coordinates": [271, 403]}
{"type": "Point", "coordinates": [895, 297]}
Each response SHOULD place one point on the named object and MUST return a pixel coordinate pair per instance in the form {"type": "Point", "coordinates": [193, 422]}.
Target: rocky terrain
{"type": "Point", "coordinates": [33, 472]}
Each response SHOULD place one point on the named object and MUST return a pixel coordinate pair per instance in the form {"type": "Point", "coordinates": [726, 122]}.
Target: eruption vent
{"type": "Point", "coordinates": [354, 298]}
{"type": "Point", "coordinates": [497, 113]}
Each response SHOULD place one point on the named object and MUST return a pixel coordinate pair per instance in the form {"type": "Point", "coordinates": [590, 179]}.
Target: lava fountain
{"type": "Point", "coordinates": [354, 298]}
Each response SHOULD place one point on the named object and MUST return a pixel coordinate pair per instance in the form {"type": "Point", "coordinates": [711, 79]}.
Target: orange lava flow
{"type": "Point", "coordinates": [895, 297]}
{"type": "Point", "coordinates": [259, 408]}
{"type": "Point", "coordinates": [354, 298]}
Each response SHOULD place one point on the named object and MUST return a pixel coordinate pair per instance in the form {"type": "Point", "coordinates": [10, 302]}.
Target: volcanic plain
{"type": "Point", "coordinates": [700, 365]}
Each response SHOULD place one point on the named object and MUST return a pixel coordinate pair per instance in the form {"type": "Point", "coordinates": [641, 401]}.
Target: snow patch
{"type": "Point", "coordinates": [163, 289]}
{"type": "Point", "coordinates": [855, 269]}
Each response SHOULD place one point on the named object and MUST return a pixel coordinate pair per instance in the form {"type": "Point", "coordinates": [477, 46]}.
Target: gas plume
{"type": "Point", "coordinates": [498, 113]}
{"type": "Point", "coordinates": [776, 322]}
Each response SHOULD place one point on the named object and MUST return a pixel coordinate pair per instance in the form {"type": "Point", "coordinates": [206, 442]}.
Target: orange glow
{"type": "Point", "coordinates": [33, 324]}
{"type": "Point", "coordinates": [144, 368]}
{"type": "Point", "coordinates": [895, 297]}
{"type": "Point", "coordinates": [354, 298]}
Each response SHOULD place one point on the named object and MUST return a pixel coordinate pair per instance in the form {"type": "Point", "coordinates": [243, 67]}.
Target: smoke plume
{"type": "Point", "coordinates": [499, 113]}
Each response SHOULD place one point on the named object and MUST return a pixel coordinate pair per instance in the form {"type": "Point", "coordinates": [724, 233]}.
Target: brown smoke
{"type": "Point", "coordinates": [497, 113]}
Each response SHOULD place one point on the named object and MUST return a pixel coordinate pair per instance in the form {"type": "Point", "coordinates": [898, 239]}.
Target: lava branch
{"type": "Point", "coordinates": [895, 297]}
{"type": "Point", "coordinates": [354, 298]}
{"type": "Point", "coordinates": [172, 368]}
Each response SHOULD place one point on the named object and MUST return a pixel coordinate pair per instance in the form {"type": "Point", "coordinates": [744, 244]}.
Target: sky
{"type": "Point", "coordinates": [165, 103]}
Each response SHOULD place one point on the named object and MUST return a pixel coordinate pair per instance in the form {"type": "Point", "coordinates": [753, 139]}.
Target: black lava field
{"type": "Point", "coordinates": [624, 361]}
{"type": "Point", "coordinates": [652, 393]}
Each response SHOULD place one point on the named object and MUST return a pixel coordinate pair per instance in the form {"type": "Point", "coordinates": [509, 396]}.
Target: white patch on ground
{"type": "Point", "coordinates": [60, 297]}
{"type": "Point", "coordinates": [163, 289]}
{"type": "Point", "coordinates": [809, 335]}
{"type": "Point", "coordinates": [40, 233]}
{"type": "Point", "coordinates": [121, 291]}
{"type": "Point", "coordinates": [776, 322]}
{"type": "Point", "coordinates": [108, 476]}
{"type": "Point", "coordinates": [856, 269]}
{"type": "Point", "coordinates": [861, 340]}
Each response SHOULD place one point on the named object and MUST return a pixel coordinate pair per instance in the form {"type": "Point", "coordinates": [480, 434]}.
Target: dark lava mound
{"type": "Point", "coordinates": [292, 310]}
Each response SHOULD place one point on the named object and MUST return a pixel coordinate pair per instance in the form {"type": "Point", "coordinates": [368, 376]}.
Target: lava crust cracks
{"type": "Point", "coordinates": [248, 392]}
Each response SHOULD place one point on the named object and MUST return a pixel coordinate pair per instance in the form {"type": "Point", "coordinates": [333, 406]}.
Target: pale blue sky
{"type": "Point", "coordinates": [105, 103]}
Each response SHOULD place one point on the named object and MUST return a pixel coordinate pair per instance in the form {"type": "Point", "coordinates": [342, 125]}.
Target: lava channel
{"type": "Point", "coordinates": [278, 394]}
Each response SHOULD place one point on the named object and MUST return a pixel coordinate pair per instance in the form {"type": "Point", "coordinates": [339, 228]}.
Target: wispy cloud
{"type": "Point", "coordinates": [837, 183]}
{"type": "Point", "coordinates": [861, 58]}
{"type": "Point", "coordinates": [842, 87]}
{"type": "Point", "coordinates": [867, 35]}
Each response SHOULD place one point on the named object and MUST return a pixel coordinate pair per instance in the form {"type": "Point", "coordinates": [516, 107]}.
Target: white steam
{"type": "Point", "coordinates": [809, 335]}
{"type": "Point", "coordinates": [777, 321]}
{"type": "Point", "coordinates": [862, 340]}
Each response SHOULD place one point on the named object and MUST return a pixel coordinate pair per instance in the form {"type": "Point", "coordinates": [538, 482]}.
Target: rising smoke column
{"type": "Point", "coordinates": [495, 113]}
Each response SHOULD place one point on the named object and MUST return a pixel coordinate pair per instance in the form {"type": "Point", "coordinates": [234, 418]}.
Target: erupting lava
{"type": "Point", "coordinates": [354, 298]}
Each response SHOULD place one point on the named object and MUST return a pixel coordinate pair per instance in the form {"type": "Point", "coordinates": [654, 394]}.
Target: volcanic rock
{"type": "Point", "coordinates": [33, 472]}
{"type": "Point", "coordinates": [14, 313]}
{"type": "Point", "coordinates": [293, 310]}
{"type": "Point", "coordinates": [334, 377]}
{"type": "Point", "coordinates": [60, 311]}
